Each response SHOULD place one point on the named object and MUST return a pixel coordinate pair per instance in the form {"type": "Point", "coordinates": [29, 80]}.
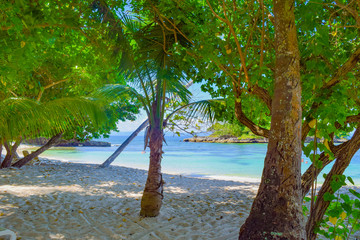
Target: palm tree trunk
{"type": "Point", "coordinates": [53, 141]}
{"type": "Point", "coordinates": [10, 153]}
{"type": "Point", "coordinates": [153, 193]}
{"type": "Point", "coordinates": [341, 163]}
{"type": "Point", "coordinates": [124, 145]}
{"type": "Point", "coordinates": [277, 209]}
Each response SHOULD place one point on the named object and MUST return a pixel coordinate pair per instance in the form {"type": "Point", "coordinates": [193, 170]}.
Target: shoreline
{"type": "Point", "coordinates": [236, 178]}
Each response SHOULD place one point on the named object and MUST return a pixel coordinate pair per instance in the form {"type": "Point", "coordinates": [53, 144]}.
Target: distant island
{"type": "Point", "coordinates": [226, 139]}
{"type": "Point", "coordinates": [69, 143]}
{"type": "Point", "coordinates": [234, 133]}
{"type": "Point", "coordinates": [234, 139]}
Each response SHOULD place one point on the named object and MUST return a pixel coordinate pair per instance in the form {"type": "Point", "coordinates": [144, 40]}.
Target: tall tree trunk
{"type": "Point", "coordinates": [10, 153]}
{"type": "Point", "coordinates": [124, 144]}
{"type": "Point", "coordinates": [153, 193]}
{"type": "Point", "coordinates": [341, 163]}
{"type": "Point", "coordinates": [277, 209]}
{"type": "Point", "coordinates": [53, 141]}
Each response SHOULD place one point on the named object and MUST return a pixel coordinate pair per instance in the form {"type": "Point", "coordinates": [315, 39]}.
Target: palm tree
{"type": "Point", "coordinates": [154, 78]}
{"type": "Point", "coordinates": [156, 109]}
{"type": "Point", "coordinates": [148, 59]}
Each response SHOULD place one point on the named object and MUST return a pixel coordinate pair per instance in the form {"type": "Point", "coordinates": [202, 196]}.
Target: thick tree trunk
{"type": "Point", "coordinates": [277, 209]}
{"type": "Point", "coordinates": [341, 163]}
{"type": "Point", "coordinates": [153, 193]}
{"type": "Point", "coordinates": [53, 141]}
{"type": "Point", "coordinates": [124, 144]}
{"type": "Point", "coordinates": [10, 153]}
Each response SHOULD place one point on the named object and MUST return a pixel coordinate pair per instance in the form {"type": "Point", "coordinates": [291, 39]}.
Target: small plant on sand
{"type": "Point", "coordinates": [342, 218]}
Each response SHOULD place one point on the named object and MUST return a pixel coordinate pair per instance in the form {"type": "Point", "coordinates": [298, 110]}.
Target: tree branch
{"type": "Point", "coordinates": [240, 115]}
{"type": "Point", "coordinates": [341, 72]}
{"type": "Point", "coordinates": [344, 69]}
{"type": "Point", "coordinates": [49, 86]}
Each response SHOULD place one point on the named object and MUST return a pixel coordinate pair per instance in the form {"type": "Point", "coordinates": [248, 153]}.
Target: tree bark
{"type": "Point", "coordinates": [124, 145]}
{"type": "Point", "coordinates": [153, 193]}
{"type": "Point", "coordinates": [277, 209]}
{"type": "Point", "coordinates": [10, 153]}
{"type": "Point", "coordinates": [53, 141]}
{"type": "Point", "coordinates": [341, 163]}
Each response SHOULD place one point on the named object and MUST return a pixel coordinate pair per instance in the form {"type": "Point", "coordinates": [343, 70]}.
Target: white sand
{"type": "Point", "coordinates": [81, 201]}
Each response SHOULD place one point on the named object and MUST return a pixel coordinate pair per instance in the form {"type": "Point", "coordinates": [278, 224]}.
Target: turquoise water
{"type": "Point", "coordinates": [189, 159]}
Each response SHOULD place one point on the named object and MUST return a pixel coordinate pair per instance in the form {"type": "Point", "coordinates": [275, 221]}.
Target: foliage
{"type": "Point", "coordinates": [56, 50]}
{"type": "Point", "coordinates": [342, 218]}
{"type": "Point", "coordinates": [235, 130]}
{"type": "Point", "coordinates": [232, 49]}
{"type": "Point", "coordinates": [23, 117]}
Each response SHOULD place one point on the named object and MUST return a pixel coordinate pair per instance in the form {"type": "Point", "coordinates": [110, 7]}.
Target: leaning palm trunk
{"type": "Point", "coordinates": [53, 141]}
{"type": "Point", "coordinates": [153, 193]}
{"type": "Point", "coordinates": [124, 144]}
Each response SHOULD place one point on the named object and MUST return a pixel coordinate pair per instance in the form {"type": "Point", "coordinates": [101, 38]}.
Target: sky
{"type": "Point", "coordinates": [130, 126]}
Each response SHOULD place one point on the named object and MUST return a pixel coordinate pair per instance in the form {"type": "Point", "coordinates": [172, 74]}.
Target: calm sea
{"type": "Point", "coordinates": [218, 160]}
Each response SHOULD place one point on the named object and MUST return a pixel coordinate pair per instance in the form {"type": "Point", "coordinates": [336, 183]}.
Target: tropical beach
{"type": "Point", "coordinates": [180, 119]}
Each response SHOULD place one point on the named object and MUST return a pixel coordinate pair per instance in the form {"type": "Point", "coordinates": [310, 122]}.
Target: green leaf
{"type": "Point", "coordinates": [346, 207]}
{"type": "Point", "coordinates": [355, 193]}
{"type": "Point", "coordinates": [345, 197]}
{"type": "Point", "coordinates": [351, 180]}
{"type": "Point", "coordinates": [329, 197]}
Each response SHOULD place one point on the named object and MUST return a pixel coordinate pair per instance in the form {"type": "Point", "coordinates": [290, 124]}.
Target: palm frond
{"type": "Point", "coordinates": [15, 113]}
{"type": "Point", "coordinates": [176, 89]}
{"type": "Point", "coordinates": [204, 109]}
{"type": "Point", "coordinates": [130, 23]}
{"type": "Point", "coordinates": [81, 111]}
{"type": "Point", "coordinates": [114, 92]}
{"type": "Point", "coordinates": [29, 118]}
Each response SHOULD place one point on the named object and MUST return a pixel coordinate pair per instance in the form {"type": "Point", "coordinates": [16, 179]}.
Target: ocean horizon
{"type": "Point", "coordinates": [228, 161]}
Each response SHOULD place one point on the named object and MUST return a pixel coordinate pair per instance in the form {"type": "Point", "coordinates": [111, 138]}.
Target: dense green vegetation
{"type": "Point", "coordinates": [53, 57]}
{"type": "Point", "coordinates": [233, 130]}
{"type": "Point", "coordinates": [57, 53]}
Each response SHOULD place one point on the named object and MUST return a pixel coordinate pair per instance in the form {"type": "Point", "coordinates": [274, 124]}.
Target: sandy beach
{"type": "Point", "coordinates": [60, 200]}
